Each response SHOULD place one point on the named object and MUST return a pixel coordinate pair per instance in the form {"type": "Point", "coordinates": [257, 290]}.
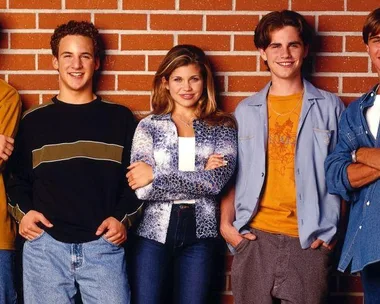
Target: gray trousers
{"type": "Point", "coordinates": [274, 266]}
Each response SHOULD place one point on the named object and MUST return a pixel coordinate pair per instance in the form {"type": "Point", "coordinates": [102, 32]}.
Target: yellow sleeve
{"type": "Point", "coordinates": [10, 111]}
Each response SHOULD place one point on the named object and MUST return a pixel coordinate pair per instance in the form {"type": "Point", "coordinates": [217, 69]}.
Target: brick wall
{"type": "Point", "coordinates": [139, 32]}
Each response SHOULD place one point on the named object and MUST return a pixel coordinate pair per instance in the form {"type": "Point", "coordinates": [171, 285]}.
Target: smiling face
{"type": "Point", "coordinates": [76, 64]}
{"type": "Point", "coordinates": [285, 54]}
{"type": "Point", "coordinates": [373, 49]}
{"type": "Point", "coordinates": [185, 85]}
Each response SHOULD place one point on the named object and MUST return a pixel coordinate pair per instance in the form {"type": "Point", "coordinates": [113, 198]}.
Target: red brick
{"type": "Point", "coordinates": [121, 21]}
{"type": "Point", "coordinates": [227, 299]}
{"type": "Point", "coordinates": [45, 62]}
{"type": "Point", "coordinates": [36, 4]}
{"type": "Point", "coordinates": [17, 21]}
{"type": "Point", "coordinates": [135, 82]}
{"type": "Point", "coordinates": [124, 63]}
{"type": "Point", "coordinates": [247, 83]}
{"type": "Point", "coordinates": [30, 41]}
{"type": "Point", "coordinates": [347, 99]}
{"type": "Point", "coordinates": [219, 84]}
{"type": "Point", "coordinates": [229, 103]}
{"type": "Point", "coordinates": [328, 44]}
{"type": "Point", "coordinates": [51, 21]}
{"type": "Point", "coordinates": [341, 64]}
{"type": "Point", "coordinates": [176, 22]}
{"type": "Point", "coordinates": [232, 22]}
{"type": "Point", "coordinates": [148, 5]}
{"type": "Point", "coordinates": [3, 4]}
{"type": "Point", "coordinates": [349, 283]}
{"type": "Point", "coordinates": [368, 5]}
{"type": "Point", "coordinates": [206, 5]}
{"type": "Point", "coordinates": [320, 5]}
{"type": "Point", "coordinates": [207, 42]}
{"type": "Point", "coordinates": [355, 44]}
{"type": "Point", "coordinates": [106, 82]}
{"type": "Point", "coordinates": [153, 62]}
{"type": "Point", "coordinates": [29, 100]}
{"type": "Point", "coordinates": [234, 63]}
{"type": "Point", "coordinates": [91, 4]}
{"type": "Point", "coordinates": [259, 5]}
{"type": "Point", "coordinates": [111, 41]}
{"type": "Point", "coordinates": [47, 97]}
{"type": "Point", "coordinates": [345, 23]}
{"type": "Point", "coordinates": [326, 83]}
{"type": "Point", "coordinates": [133, 102]}
{"type": "Point", "coordinates": [244, 43]}
{"type": "Point", "coordinates": [34, 82]}
{"type": "Point", "coordinates": [146, 42]}
{"type": "Point", "coordinates": [17, 62]}
{"type": "Point", "coordinates": [358, 84]}
{"type": "Point", "coordinates": [4, 41]}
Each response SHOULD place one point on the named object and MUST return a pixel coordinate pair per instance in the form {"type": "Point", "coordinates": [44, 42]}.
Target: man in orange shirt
{"type": "Point", "coordinates": [10, 109]}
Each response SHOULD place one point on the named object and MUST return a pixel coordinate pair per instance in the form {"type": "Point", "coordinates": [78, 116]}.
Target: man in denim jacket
{"type": "Point", "coordinates": [285, 220]}
{"type": "Point", "coordinates": [353, 172]}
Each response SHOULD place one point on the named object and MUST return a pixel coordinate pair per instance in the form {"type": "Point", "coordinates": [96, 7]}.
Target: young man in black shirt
{"type": "Point", "coordinates": [68, 188]}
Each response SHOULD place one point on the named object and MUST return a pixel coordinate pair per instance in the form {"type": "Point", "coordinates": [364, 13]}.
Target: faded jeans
{"type": "Point", "coordinates": [53, 270]}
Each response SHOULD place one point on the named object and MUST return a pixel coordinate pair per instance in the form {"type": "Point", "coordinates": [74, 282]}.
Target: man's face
{"type": "Point", "coordinates": [373, 49]}
{"type": "Point", "coordinates": [285, 54]}
{"type": "Point", "coordinates": [76, 63]}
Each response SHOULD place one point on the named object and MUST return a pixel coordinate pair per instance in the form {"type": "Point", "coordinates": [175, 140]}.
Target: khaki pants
{"type": "Point", "coordinates": [275, 266]}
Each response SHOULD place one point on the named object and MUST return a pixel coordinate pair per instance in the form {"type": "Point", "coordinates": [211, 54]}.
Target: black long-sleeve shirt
{"type": "Point", "coordinates": [69, 164]}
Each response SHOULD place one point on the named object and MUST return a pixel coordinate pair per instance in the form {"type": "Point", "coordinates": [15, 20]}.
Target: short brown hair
{"type": "Point", "coordinates": [371, 25]}
{"type": "Point", "coordinates": [81, 28]}
{"type": "Point", "coordinates": [277, 20]}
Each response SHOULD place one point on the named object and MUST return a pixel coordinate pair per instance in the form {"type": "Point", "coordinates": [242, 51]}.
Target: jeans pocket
{"type": "Point", "coordinates": [37, 237]}
{"type": "Point", "coordinates": [242, 245]}
{"type": "Point", "coordinates": [109, 242]}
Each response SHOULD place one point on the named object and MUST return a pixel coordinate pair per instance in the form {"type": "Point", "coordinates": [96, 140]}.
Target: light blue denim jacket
{"type": "Point", "coordinates": [156, 143]}
{"type": "Point", "coordinates": [362, 241]}
{"type": "Point", "coordinates": [317, 210]}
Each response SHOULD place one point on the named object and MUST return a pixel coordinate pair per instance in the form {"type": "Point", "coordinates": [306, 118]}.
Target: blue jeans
{"type": "Point", "coordinates": [7, 287]}
{"type": "Point", "coordinates": [371, 283]}
{"type": "Point", "coordinates": [53, 270]}
{"type": "Point", "coordinates": [183, 264]}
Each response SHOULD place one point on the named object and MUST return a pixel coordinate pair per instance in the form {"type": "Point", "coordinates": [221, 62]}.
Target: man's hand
{"type": "Point", "coordinates": [6, 146]}
{"type": "Point", "coordinates": [28, 225]}
{"type": "Point", "coordinates": [215, 161]}
{"type": "Point", "coordinates": [318, 243]}
{"type": "Point", "coordinates": [232, 236]}
{"type": "Point", "coordinates": [116, 231]}
{"type": "Point", "coordinates": [139, 175]}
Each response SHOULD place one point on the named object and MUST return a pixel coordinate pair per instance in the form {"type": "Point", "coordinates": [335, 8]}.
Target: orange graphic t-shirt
{"type": "Point", "coordinates": [277, 210]}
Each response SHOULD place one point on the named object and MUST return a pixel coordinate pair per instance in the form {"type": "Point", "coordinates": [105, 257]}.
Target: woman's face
{"type": "Point", "coordinates": [185, 86]}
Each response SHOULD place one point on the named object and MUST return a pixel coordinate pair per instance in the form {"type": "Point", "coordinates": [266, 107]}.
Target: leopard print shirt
{"type": "Point", "coordinates": [156, 143]}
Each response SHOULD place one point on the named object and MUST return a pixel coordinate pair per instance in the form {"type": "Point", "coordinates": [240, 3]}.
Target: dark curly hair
{"type": "Point", "coordinates": [82, 28]}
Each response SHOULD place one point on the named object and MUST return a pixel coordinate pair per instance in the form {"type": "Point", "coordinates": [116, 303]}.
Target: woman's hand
{"type": "Point", "coordinates": [215, 161]}
{"type": "Point", "coordinates": [139, 175]}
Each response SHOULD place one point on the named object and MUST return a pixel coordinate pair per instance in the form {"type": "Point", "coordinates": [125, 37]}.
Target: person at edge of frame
{"type": "Point", "coordinates": [10, 112]}
{"type": "Point", "coordinates": [67, 185]}
{"type": "Point", "coordinates": [353, 171]}
{"type": "Point", "coordinates": [183, 154]}
{"type": "Point", "coordinates": [279, 219]}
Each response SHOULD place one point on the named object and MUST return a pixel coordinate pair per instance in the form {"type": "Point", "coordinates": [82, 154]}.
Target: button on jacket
{"type": "Point", "coordinates": [362, 242]}
{"type": "Point", "coordinates": [156, 143]}
{"type": "Point", "coordinates": [317, 210]}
